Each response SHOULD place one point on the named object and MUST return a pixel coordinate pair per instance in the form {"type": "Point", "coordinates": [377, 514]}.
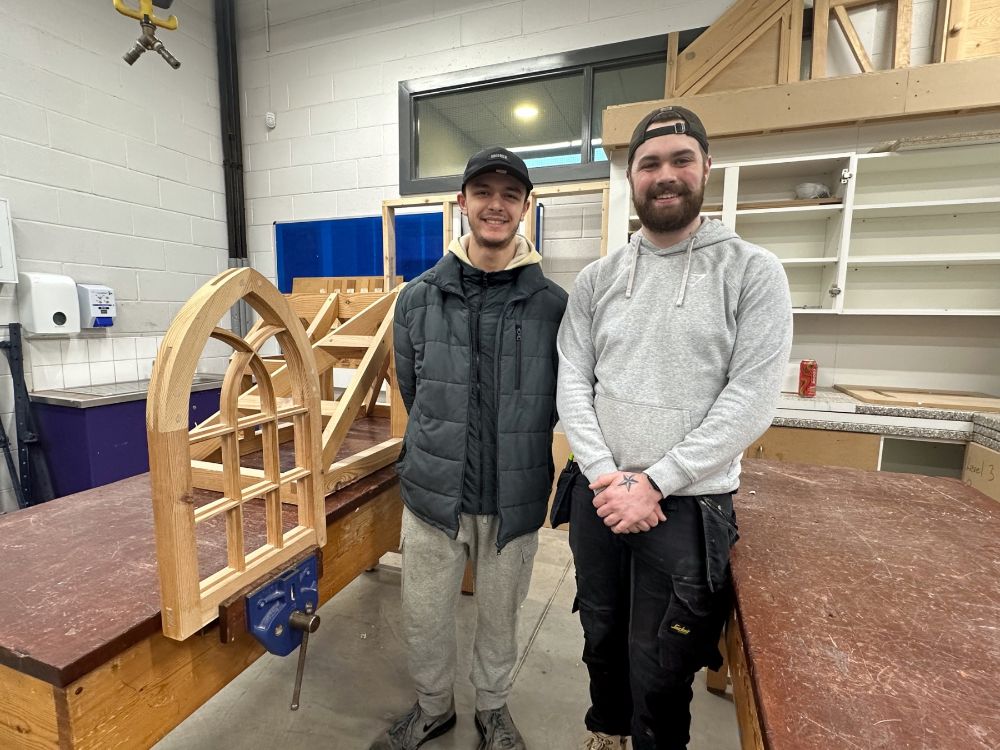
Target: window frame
{"type": "Point", "coordinates": [585, 61]}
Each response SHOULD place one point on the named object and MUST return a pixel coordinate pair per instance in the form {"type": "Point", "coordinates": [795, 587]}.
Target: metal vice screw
{"type": "Point", "coordinates": [148, 41]}
{"type": "Point", "coordinates": [308, 623]}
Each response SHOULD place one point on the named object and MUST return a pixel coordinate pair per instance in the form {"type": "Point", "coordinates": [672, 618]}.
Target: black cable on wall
{"type": "Point", "coordinates": [232, 136]}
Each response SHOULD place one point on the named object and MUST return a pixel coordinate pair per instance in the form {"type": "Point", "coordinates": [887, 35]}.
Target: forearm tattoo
{"type": "Point", "coordinates": [627, 481]}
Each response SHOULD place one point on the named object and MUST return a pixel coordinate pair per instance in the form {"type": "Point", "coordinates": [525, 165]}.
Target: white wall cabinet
{"type": "Point", "coordinates": [909, 233]}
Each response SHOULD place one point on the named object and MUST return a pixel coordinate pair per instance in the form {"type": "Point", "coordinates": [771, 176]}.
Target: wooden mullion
{"type": "Point", "coordinates": [235, 545]}
{"type": "Point", "coordinates": [232, 486]}
{"type": "Point", "coordinates": [272, 509]}
{"type": "Point", "coordinates": [272, 472]}
{"type": "Point", "coordinates": [302, 450]}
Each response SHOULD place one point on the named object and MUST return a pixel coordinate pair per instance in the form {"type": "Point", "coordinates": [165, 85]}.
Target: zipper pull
{"type": "Point", "coordinates": [517, 331]}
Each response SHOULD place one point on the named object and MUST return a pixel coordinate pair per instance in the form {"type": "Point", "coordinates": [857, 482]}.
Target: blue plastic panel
{"type": "Point", "coordinates": [353, 247]}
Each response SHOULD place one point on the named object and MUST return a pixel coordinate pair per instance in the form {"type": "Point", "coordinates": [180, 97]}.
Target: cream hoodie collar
{"type": "Point", "coordinates": [524, 252]}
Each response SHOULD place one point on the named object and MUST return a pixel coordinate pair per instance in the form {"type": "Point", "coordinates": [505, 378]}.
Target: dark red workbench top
{"type": "Point", "coordinates": [870, 608]}
{"type": "Point", "coordinates": [78, 576]}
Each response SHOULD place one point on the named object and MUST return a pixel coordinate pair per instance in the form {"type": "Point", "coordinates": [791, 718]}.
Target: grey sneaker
{"type": "Point", "coordinates": [410, 731]}
{"type": "Point", "coordinates": [498, 731]}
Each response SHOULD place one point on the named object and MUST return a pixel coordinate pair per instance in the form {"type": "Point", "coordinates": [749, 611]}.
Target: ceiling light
{"type": "Point", "coordinates": [526, 112]}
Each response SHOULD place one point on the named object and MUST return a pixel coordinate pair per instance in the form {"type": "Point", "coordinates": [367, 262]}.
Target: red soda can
{"type": "Point", "coordinates": [808, 370]}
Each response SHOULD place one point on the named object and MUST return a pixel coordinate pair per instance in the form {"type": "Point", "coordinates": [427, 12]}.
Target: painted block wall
{"type": "Point", "coordinates": [333, 70]}
{"type": "Point", "coordinates": [114, 177]}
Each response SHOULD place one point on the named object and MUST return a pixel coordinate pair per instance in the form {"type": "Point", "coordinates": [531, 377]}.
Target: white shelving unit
{"type": "Point", "coordinates": [909, 233]}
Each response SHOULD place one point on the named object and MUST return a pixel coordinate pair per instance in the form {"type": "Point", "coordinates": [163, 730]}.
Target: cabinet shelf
{"type": "Point", "coordinates": [923, 208]}
{"type": "Point", "coordinates": [778, 205]}
{"type": "Point", "coordinates": [912, 311]}
{"type": "Point", "coordinates": [935, 259]}
{"type": "Point", "coordinates": [798, 213]}
{"type": "Point", "coordinates": [808, 261]}
{"type": "Point", "coordinates": [914, 233]}
{"type": "Point", "coordinates": [947, 158]}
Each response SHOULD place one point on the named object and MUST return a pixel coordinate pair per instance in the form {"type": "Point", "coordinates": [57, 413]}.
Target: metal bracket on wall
{"type": "Point", "coordinates": [32, 483]}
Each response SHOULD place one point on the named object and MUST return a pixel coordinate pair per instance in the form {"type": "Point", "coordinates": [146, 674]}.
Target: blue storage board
{"type": "Point", "coordinates": [353, 247]}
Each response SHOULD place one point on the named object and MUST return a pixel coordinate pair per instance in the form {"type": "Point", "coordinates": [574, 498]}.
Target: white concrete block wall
{"type": "Point", "coordinates": [114, 177]}
{"type": "Point", "coordinates": [571, 238]}
{"type": "Point", "coordinates": [875, 25]}
{"type": "Point", "coordinates": [332, 76]}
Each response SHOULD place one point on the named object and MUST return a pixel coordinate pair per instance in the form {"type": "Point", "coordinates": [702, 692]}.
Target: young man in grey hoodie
{"type": "Point", "coordinates": [672, 353]}
{"type": "Point", "coordinates": [475, 345]}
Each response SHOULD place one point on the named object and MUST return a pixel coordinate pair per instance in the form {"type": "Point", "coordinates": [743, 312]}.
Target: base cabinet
{"type": "Point", "coordinates": [820, 447]}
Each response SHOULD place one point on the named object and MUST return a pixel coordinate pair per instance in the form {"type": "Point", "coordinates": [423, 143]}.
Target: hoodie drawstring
{"type": "Point", "coordinates": [687, 271]}
{"type": "Point", "coordinates": [636, 241]}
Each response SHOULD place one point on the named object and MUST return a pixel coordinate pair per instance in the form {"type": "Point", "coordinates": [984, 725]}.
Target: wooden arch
{"type": "Point", "coordinates": [189, 602]}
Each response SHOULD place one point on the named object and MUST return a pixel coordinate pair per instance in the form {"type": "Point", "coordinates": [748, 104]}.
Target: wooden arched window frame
{"type": "Point", "coordinates": [189, 602]}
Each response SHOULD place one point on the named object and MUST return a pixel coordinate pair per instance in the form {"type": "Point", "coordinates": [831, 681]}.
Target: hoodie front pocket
{"type": "Point", "coordinates": [639, 435]}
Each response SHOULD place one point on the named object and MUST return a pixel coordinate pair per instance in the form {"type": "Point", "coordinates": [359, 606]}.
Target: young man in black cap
{"type": "Point", "coordinates": [475, 345]}
{"type": "Point", "coordinates": [672, 353]}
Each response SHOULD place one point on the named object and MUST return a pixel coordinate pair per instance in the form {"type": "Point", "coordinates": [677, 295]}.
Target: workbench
{"type": "Point", "coordinates": [83, 661]}
{"type": "Point", "coordinates": [868, 611]}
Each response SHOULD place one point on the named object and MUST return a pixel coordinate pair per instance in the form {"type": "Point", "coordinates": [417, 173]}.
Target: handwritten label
{"type": "Point", "coordinates": [982, 470]}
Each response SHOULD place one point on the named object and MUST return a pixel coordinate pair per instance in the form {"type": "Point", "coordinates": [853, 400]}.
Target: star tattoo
{"type": "Point", "coordinates": [627, 481]}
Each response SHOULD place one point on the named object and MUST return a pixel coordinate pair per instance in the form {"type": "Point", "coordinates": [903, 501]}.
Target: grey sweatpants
{"type": "Point", "coordinates": [433, 566]}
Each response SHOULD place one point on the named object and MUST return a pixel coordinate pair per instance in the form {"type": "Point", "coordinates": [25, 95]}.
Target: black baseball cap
{"type": "Point", "coordinates": [689, 124]}
{"type": "Point", "coordinates": [497, 160]}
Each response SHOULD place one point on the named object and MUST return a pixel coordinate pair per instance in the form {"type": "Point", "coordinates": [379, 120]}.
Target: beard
{"type": "Point", "coordinates": [488, 243]}
{"type": "Point", "coordinates": [669, 218]}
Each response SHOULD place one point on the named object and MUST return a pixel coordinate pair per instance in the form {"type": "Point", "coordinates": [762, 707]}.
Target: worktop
{"type": "Point", "coordinates": [868, 605]}
{"type": "Point", "coordinates": [80, 581]}
{"type": "Point", "coordinates": [833, 410]}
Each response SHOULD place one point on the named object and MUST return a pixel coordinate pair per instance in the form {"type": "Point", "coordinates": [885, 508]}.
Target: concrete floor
{"type": "Point", "coordinates": [356, 679]}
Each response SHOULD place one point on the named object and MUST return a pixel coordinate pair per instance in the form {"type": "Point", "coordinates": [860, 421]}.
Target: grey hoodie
{"type": "Point", "coordinates": [671, 361]}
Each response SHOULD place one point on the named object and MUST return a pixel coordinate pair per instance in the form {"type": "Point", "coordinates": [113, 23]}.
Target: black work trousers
{"type": "Point", "coordinates": [649, 619]}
